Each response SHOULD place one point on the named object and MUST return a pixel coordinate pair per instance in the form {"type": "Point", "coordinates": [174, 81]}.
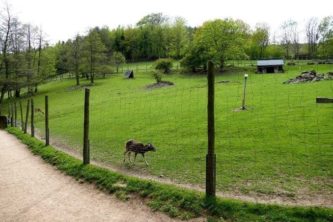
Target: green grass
{"type": "Point", "coordinates": [174, 201]}
{"type": "Point", "coordinates": [281, 146]}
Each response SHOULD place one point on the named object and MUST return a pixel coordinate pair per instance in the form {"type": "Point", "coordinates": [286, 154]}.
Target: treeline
{"type": "Point", "coordinates": [27, 60]}
{"type": "Point", "coordinates": [157, 36]}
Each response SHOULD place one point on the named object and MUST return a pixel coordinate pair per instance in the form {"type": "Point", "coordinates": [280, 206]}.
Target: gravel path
{"type": "Point", "coordinates": [32, 190]}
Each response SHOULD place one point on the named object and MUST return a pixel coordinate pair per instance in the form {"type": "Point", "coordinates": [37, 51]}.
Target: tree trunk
{"type": "Point", "coordinates": [17, 93]}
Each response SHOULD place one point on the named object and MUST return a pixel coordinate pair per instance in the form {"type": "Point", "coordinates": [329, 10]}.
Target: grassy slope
{"type": "Point", "coordinates": [174, 201]}
{"type": "Point", "coordinates": [281, 146]}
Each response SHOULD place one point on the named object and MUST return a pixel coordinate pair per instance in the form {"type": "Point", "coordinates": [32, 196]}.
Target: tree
{"type": "Point", "coordinates": [6, 25]}
{"type": "Point", "coordinates": [218, 40]}
{"type": "Point", "coordinates": [259, 41]}
{"type": "Point", "coordinates": [117, 59]}
{"type": "Point", "coordinates": [94, 52]}
{"type": "Point", "coordinates": [164, 65]}
{"type": "Point", "coordinates": [325, 30]}
{"type": "Point", "coordinates": [290, 39]}
{"type": "Point", "coordinates": [179, 38]}
{"type": "Point", "coordinates": [75, 57]}
{"type": "Point", "coordinates": [312, 36]}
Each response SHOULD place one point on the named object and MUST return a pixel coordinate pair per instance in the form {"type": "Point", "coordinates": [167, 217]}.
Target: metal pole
{"type": "Point", "coordinates": [211, 156]}
{"type": "Point", "coordinates": [47, 136]}
{"type": "Point", "coordinates": [86, 151]}
{"type": "Point", "coordinates": [244, 92]}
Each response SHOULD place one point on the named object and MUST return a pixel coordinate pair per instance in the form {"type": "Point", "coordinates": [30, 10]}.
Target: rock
{"type": "Point", "coordinates": [309, 76]}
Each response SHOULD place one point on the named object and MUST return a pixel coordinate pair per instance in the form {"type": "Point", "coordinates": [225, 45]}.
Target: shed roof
{"type": "Point", "coordinates": [271, 62]}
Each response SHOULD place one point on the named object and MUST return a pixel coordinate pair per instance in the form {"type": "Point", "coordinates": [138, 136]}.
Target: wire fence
{"type": "Point", "coordinates": [281, 145]}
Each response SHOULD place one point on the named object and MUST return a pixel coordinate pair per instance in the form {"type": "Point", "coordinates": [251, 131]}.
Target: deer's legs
{"type": "Point", "coordinates": [129, 157]}
{"type": "Point", "coordinates": [124, 156]}
{"type": "Point", "coordinates": [143, 155]}
{"type": "Point", "coordinates": [135, 157]}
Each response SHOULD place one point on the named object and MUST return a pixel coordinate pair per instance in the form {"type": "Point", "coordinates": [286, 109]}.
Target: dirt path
{"type": "Point", "coordinates": [31, 190]}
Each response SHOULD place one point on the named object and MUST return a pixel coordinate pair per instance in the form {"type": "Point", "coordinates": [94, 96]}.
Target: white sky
{"type": "Point", "coordinates": [62, 19]}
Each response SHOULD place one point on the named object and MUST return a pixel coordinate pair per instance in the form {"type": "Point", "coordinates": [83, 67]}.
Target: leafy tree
{"type": "Point", "coordinates": [75, 57]}
{"type": "Point", "coordinates": [220, 40]}
{"type": "Point", "coordinates": [118, 58]}
{"type": "Point", "coordinates": [179, 38]}
{"type": "Point", "coordinates": [164, 65]}
{"type": "Point", "coordinates": [259, 41]}
{"type": "Point", "coordinates": [94, 53]}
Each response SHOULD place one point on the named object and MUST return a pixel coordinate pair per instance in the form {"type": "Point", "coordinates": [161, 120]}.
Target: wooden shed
{"type": "Point", "coordinates": [270, 66]}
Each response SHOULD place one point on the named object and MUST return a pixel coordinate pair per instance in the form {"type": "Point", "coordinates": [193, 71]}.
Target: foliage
{"type": "Point", "coordinates": [164, 65]}
{"type": "Point", "coordinates": [174, 201]}
{"type": "Point", "coordinates": [93, 53]}
{"type": "Point", "coordinates": [219, 40]}
{"type": "Point", "coordinates": [118, 58]}
{"type": "Point", "coordinates": [258, 42]}
{"type": "Point", "coordinates": [157, 76]}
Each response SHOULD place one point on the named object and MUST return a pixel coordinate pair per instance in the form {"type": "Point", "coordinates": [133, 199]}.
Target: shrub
{"type": "Point", "coordinates": [164, 65]}
{"type": "Point", "coordinates": [157, 76]}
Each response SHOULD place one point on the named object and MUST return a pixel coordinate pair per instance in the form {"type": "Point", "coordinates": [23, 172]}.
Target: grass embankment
{"type": "Point", "coordinates": [174, 201]}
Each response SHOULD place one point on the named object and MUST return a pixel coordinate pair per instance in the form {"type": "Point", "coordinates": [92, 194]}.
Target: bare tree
{"type": "Point", "coordinates": [290, 38]}
{"type": "Point", "coordinates": [5, 32]}
{"type": "Point", "coordinates": [312, 34]}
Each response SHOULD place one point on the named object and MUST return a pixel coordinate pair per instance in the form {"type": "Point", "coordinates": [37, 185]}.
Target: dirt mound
{"type": "Point", "coordinates": [310, 76]}
{"type": "Point", "coordinates": [160, 84]}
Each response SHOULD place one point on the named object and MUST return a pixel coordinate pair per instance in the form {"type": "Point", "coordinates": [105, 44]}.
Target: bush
{"type": "Point", "coordinates": [157, 76]}
{"type": "Point", "coordinates": [164, 65]}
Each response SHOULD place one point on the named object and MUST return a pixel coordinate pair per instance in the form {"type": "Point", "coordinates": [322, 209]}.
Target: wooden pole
{"type": "Point", "coordinates": [32, 128]}
{"type": "Point", "coordinates": [47, 136]}
{"type": "Point", "coordinates": [11, 114]}
{"type": "Point", "coordinates": [211, 156]}
{"type": "Point", "coordinates": [15, 114]}
{"type": "Point", "coordinates": [27, 117]}
{"type": "Point", "coordinates": [22, 121]}
{"type": "Point", "coordinates": [86, 151]}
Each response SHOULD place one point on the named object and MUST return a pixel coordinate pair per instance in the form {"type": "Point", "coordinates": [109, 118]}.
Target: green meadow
{"type": "Point", "coordinates": [281, 146]}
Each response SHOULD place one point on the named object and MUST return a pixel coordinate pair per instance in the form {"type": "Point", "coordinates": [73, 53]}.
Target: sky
{"type": "Point", "coordinates": [63, 19]}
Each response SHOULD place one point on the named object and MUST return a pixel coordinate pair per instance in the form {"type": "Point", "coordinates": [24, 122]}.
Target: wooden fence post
{"type": "Point", "coordinates": [47, 138]}
{"type": "Point", "coordinates": [32, 122]}
{"type": "Point", "coordinates": [86, 151]}
{"type": "Point", "coordinates": [27, 117]}
{"type": "Point", "coordinates": [11, 113]}
{"type": "Point", "coordinates": [211, 156]}
{"type": "Point", "coordinates": [15, 114]}
{"type": "Point", "coordinates": [22, 121]}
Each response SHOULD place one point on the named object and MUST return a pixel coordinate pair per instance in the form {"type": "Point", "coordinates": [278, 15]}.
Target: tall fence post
{"type": "Point", "coordinates": [11, 113]}
{"type": "Point", "coordinates": [211, 156]}
{"type": "Point", "coordinates": [86, 151]}
{"type": "Point", "coordinates": [15, 114]}
{"type": "Point", "coordinates": [21, 111]}
{"type": "Point", "coordinates": [27, 117]}
{"type": "Point", "coordinates": [32, 122]}
{"type": "Point", "coordinates": [47, 136]}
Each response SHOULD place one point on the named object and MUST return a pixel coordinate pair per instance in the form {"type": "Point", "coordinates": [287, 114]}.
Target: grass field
{"type": "Point", "coordinates": [282, 146]}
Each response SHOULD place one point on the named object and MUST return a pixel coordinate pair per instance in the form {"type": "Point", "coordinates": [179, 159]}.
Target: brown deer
{"type": "Point", "coordinates": [136, 147]}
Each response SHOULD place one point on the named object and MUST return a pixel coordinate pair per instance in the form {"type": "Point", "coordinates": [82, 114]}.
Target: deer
{"type": "Point", "coordinates": [136, 147]}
